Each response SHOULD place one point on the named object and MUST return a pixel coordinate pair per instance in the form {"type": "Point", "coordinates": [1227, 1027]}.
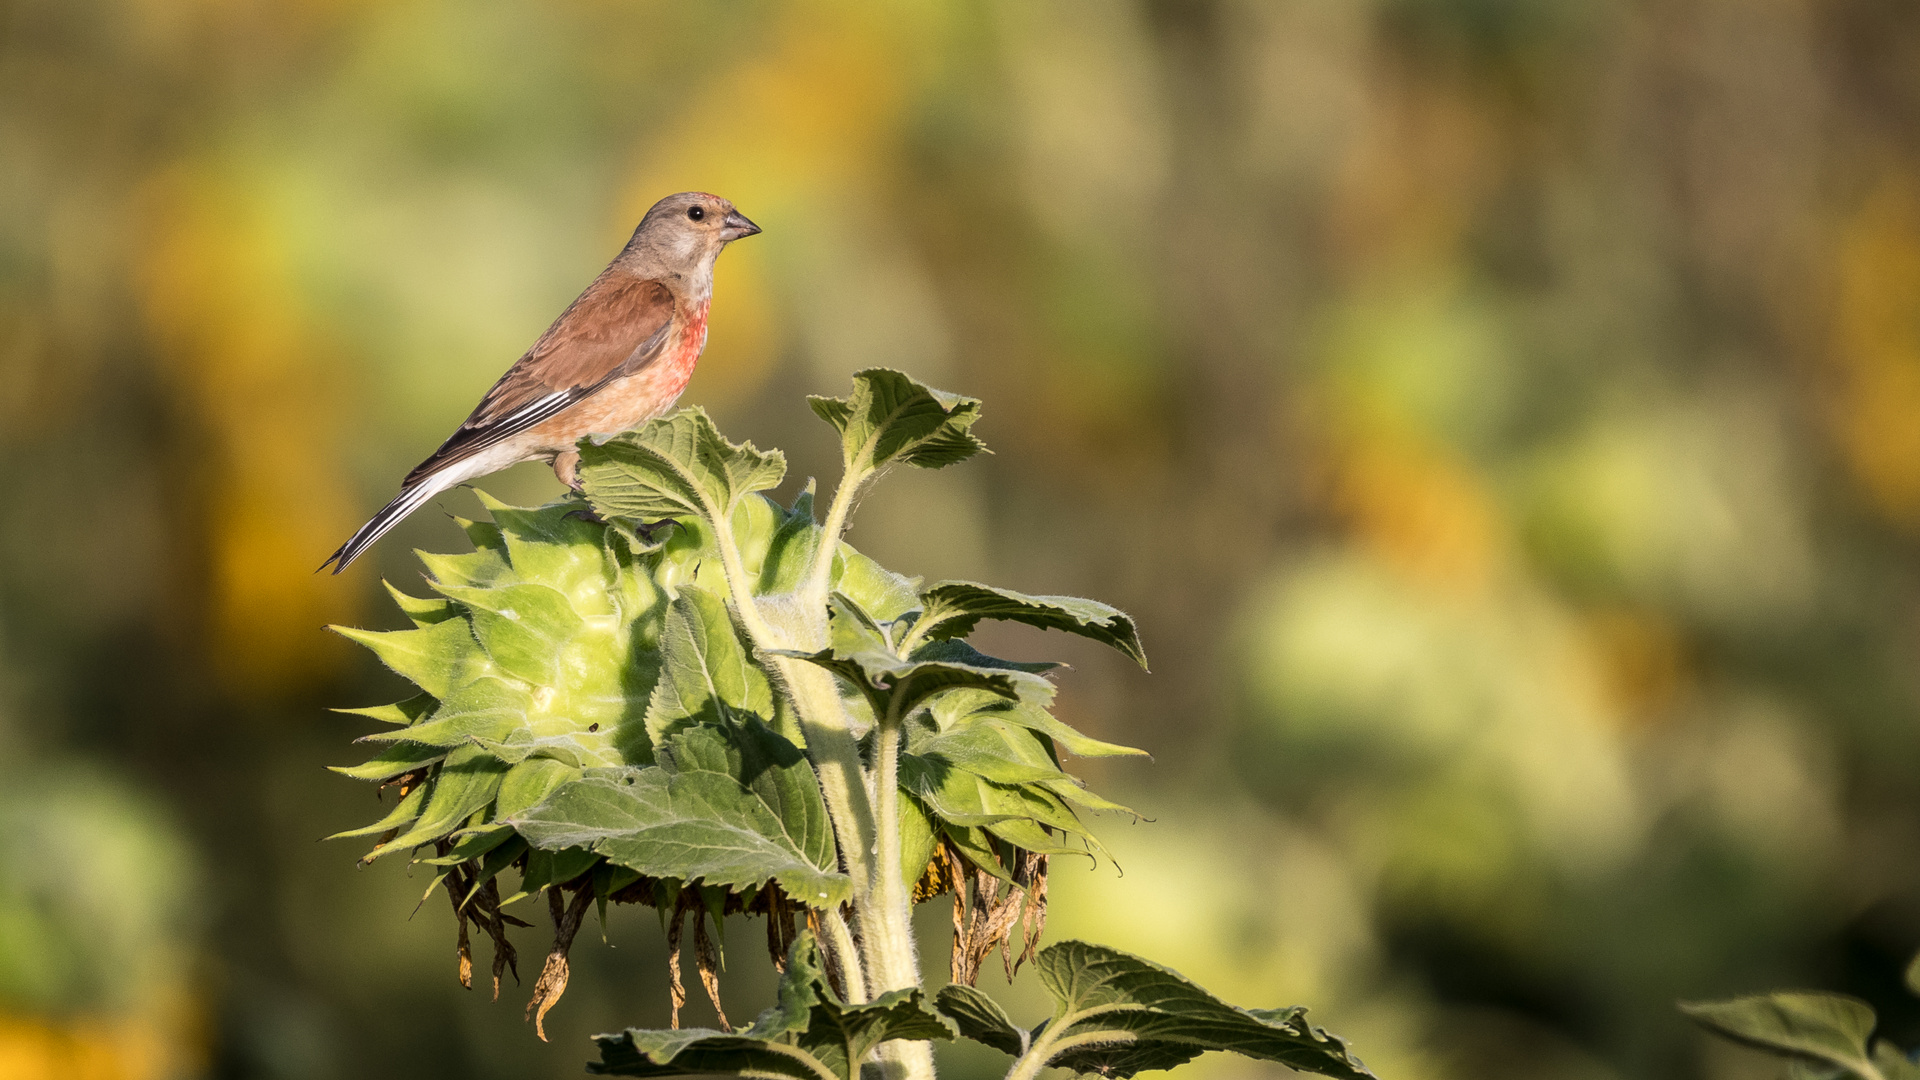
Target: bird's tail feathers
{"type": "Point", "coordinates": [410, 499]}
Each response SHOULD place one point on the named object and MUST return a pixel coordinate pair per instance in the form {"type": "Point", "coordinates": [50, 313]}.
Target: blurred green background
{"type": "Point", "coordinates": [1503, 417]}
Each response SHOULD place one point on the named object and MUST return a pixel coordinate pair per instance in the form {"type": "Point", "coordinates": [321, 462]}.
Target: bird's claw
{"type": "Point", "coordinates": [647, 532]}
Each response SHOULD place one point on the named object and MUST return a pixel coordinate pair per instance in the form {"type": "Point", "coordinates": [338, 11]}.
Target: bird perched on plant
{"type": "Point", "coordinates": [616, 358]}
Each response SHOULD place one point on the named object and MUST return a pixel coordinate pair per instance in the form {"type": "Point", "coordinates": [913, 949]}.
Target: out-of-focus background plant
{"type": "Point", "coordinates": [1502, 417]}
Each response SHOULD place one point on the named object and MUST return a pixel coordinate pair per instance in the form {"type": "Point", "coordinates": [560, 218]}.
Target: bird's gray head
{"type": "Point", "coordinates": [685, 232]}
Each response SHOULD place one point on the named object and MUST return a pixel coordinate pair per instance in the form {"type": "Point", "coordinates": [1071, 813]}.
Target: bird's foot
{"type": "Point", "coordinates": [656, 529]}
{"type": "Point", "coordinates": [650, 534]}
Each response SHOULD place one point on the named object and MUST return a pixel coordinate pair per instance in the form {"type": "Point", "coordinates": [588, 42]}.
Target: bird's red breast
{"type": "Point", "coordinates": [693, 340]}
{"type": "Point", "coordinates": [633, 400]}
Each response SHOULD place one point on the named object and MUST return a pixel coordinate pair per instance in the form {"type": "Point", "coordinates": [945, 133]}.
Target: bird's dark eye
{"type": "Point", "coordinates": [696, 213]}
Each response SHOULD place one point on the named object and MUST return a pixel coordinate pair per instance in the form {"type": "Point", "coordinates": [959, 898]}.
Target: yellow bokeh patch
{"type": "Point", "coordinates": [240, 359]}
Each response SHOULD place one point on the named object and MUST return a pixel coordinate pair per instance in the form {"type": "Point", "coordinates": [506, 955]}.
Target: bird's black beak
{"type": "Point", "coordinates": [736, 226]}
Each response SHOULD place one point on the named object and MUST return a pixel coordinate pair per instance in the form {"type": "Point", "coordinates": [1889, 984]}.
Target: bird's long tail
{"type": "Point", "coordinates": [410, 499]}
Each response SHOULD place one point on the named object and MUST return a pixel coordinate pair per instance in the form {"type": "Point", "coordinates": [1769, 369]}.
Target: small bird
{"type": "Point", "coordinates": [616, 358]}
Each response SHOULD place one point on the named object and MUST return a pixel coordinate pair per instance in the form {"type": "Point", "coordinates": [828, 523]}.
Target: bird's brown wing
{"type": "Point", "coordinates": [618, 326]}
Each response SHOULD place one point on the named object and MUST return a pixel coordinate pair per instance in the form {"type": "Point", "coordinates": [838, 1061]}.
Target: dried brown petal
{"type": "Point", "coordinates": [708, 961]}
{"type": "Point", "coordinates": [939, 877]}
{"type": "Point", "coordinates": [460, 921]}
{"type": "Point", "coordinates": [676, 992]}
{"type": "Point", "coordinates": [553, 975]}
{"type": "Point", "coordinates": [986, 911]}
{"type": "Point", "coordinates": [486, 904]}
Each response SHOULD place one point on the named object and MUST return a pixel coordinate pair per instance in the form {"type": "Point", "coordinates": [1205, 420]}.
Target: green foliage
{"type": "Point", "coordinates": [1823, 1036]}
{"type": "Point", "coordinates": [735, 807]}
{"type": "Point", "coordinates": [954, 608]}
{"type": "Point", "coordinates": [1117, 1015]}
{"type": "Point", "coordinates": [811, 1033]}
{"type": "Point", "coordinates": [891, 418]}
{"type": "Point", "coordinates": [672, 468]}
{"type": "Point", "coordinates": [610, 706]}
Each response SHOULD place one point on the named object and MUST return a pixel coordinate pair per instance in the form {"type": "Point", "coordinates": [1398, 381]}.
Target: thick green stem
{"type": "Point", "coordinates": [816, 699]}
{"type": "Point", "coordinates": [836, 761]}
{"type": "Point", "coordinates": [893, 961]}
{"type": "Point", "coordinates": [869, 847]}
{"type": "Point", "coordinates": [823, 719]}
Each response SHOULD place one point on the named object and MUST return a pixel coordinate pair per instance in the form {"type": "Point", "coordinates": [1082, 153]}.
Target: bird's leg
{"type": "Point", "coordinates": [566, 466]}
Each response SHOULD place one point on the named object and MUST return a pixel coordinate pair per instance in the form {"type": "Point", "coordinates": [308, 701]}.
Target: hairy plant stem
{"type": "Point", "coordinates": [895, 965]}
{"type": "Point", "coordinates": [1048, 1043]}
{"type": "Point", "coordinates": [836, 523]}
{"type": "Point", "coordinates": [886, 958]}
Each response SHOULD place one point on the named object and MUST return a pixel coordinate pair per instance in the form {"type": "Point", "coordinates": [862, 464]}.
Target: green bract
{"type": "Point", "coordinates": [672, 690]}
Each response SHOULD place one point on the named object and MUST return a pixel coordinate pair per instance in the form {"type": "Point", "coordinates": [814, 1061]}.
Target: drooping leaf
{"type": "Point", "coordinates": [677, 466]}
{"type": "Point", "coordinates": [1825, 1029]}
{"type": "Point", "coordinates": [1014, 812]}
{"type": "Point", "coordinates": [892, 417]}
{"type": "Point", "coordinates": [981, 1019]}
{"type": "Point", "coordinates": [954, 608]}
{"type": "Point", "coordinates": [862, 654]}
{"type": "Point", "coordinates": [732, 816]}
{"type": "Point", "coordinates": [979, 847]}
{"type": "Point", "coordinates": [987, 747]}
{"type": "Point", "coordinates": [810, 1033]}
{"type": "Point", "coordinates": [1116, 1014]}
{"type": "Point", "coordinates": [961, 706]}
